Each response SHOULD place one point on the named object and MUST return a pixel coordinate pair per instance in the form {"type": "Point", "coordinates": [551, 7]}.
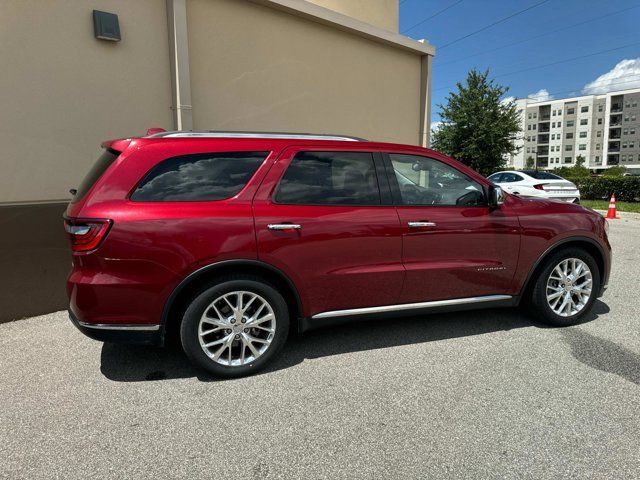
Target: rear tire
{"type": "Point", "coordinates": [566, 288]}
{"type": "Point", "coordinates": [235, 327]}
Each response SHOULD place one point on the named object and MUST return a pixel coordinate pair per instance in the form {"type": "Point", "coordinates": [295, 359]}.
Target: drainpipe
{"type": "Point", "coordinates": [179, 61]}
{"type": "Point", "coordinates": [425, 100]}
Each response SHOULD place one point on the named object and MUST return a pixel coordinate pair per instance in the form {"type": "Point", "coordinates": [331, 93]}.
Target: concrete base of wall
{"type": "Point", "coordinates": [34, 260]}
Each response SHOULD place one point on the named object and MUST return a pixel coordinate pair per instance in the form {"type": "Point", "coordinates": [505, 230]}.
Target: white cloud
{"type": "Point", "coordinates": [507, 99]}
{"type": "Point", "coordinates": [435, 126]}
{"type": "Point", "coordinates": [623, 76]}
{"type": "Point", "coordinates": [541, 95]}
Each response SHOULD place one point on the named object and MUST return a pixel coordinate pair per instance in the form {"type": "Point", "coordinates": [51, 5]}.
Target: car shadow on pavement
{"type": "Point", "coordinates": [131, 363]}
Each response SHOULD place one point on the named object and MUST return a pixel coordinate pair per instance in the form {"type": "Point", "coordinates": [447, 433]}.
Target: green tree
{"type": "Point", "coordinates": [478, 128]}
{"type": "Point", "coordinates": [616, 171]}
{"type": "Point", "coordinates": [530, 162]}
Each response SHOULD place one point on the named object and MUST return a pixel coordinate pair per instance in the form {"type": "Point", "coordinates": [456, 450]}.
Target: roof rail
{"type": "Point", "coordinates": [274, 135]}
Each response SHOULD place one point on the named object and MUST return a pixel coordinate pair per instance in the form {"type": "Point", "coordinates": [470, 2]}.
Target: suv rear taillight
{"type": "Point", "coordinates": [86, 235]}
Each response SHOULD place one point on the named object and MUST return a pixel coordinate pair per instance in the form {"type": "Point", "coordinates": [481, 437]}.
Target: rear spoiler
{"type": "Point", "coordinates": [118, 144]}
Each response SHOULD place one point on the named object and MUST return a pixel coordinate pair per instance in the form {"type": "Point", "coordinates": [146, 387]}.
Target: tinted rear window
{"type": "Point", "coordinates": [104, 161]}
{"type": "Point", "coordinates": [330, 178]}
{"type": "Point", "coordinates": [541, 175]}
{"type": "Point", "coordinates": [198, 178]}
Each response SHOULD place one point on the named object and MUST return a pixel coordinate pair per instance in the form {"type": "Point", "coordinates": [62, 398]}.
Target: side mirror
{"type": "Point", "coordinates": [496, 196]}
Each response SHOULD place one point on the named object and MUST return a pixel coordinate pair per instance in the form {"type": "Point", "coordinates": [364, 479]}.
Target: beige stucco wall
{"type": "Point", "coordinates": [62, 91]}
{"type": "Point", "coordinates": [381, 13]}
{"type": "Point", "coordinates": [273, 71]}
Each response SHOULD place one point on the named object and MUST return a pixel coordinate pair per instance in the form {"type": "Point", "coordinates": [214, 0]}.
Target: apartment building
{"type": "Point", "coordinates": [324, 66]}
{"type": "Point", "coordinates": [602, 129]}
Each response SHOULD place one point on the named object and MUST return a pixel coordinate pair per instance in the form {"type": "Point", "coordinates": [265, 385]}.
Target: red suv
{"type": "Point", "coordinates": [228, 240]}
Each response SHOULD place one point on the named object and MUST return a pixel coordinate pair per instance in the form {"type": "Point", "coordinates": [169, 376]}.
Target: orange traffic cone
{"type": "Point", "coordinates": [611, 213]}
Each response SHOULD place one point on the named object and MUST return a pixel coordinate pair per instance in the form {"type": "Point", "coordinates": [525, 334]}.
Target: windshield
{"type": "Point", "coordinates": [104, 161]}
{"type": "Point", "coordinates": [542, 175]}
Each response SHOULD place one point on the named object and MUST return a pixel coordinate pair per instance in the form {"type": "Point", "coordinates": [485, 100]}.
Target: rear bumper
{"type": "Point", "coordinates": [115, 333]}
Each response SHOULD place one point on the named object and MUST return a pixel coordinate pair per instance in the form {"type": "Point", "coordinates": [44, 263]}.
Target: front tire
{"type": "Point", "coordinates": [235, 327]}
{"type": "Point", "coordinates": [566, 287]}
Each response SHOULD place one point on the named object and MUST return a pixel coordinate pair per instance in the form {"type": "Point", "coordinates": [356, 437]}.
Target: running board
{"type": "Point", "coordinates": [411, 306]}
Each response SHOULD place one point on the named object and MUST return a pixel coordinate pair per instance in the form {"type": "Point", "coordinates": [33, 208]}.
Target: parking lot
{"type": "Point", "coordinates": [486, 394]}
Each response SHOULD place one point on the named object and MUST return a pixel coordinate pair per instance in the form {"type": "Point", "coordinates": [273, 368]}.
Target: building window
{"type": "Point", "coordinates": [597, 158]}
{"type": "Point", "coordinates": [584, 121]}
{"type": "Point", "coordinates": [633, 118]}
{"type": "Point", "coordinates": [553, 125]}
{"type": "Point", "coordinates": [570, 111]}
{"type": "Point", "coordinates": [568, 148]}
{"type": "Point", "coordinates": [599, 121]}
{"type": "Point", "coordinates": [626, 118]}
{"type": "Point", "coordinates": [535, 115]}
{"type": "Point", "coordinates": [583, 134]}
{"type": "Point", "coordinates": [597, 146]}
{"type": "Point", "coordinates": [584, 109]}
{"type": "Point", "coordinates": [569, 135]}
{"type": "Point", "coordinates": [624, 158]}
{"type": "Point", "coordinates": [632, 131]}
{"type": "Point", "coordinates": [635, 103]}
{"type": "Point", "coordinates": [534, 126]}
{"type": "Point", "coordinates": [559, 124]}
{"type": "Point", "coordinates": [599, 108]}
{"type": "Point", "coordinates": [632, 144]}
{"type": "Point", "coordinates": [599, 133]}
{"type": "Point", "coordinates": [625, 131]}
{"type": "Point", "coordinates": [570, 123]}
{"type": "Point", "coordinates": [624, 144]}
{"type": "Point", "coordinates": [567, 159]}
{"type": "Point", "coordinates": [528, 149]}
{"type": "Point", "coordinates": [529, 116]}
{"type": "Point", "coordinates": [582, 146]}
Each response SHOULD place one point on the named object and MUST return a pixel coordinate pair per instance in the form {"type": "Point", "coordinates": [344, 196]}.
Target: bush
{"type": "Point", "coordinates": [627, 189]}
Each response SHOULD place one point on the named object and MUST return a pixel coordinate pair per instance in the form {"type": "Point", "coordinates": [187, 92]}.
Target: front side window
{"type": "Point", "coordinates": [330, 178]}
{"type": "Point", "coordinates": [425, 181]}
{"type": "Point", "coordinates": [199, 178]}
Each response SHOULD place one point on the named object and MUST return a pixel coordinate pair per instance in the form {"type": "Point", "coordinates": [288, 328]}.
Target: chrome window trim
{"type": "Point", "coordinates": [411, 306]}
{"type": "Point", "coordinates": [129, 327]}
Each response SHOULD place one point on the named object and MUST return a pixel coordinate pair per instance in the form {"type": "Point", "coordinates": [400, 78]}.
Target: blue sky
{"type": "Point", "coordinates": [604, 32]}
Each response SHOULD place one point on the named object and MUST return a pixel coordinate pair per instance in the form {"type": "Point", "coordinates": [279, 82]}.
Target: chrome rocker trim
{"type": "Point", "coordinates": [410, 306]}
{"type": "Point", "coordinates": [127, 327]}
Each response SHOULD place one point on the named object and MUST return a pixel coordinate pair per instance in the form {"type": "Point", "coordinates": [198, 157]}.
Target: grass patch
{"type": "Point", "coordinates": [604, 205]}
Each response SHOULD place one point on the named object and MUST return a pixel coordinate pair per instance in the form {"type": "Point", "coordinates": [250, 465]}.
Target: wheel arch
{"type": "Point", "coordinates": [190, 285]}
{"type": "Point", "coordinates": [588, 244]}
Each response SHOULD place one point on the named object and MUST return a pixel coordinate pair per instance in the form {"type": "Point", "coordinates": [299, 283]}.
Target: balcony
{"type": "Point", "coordinates": [543, 139]}
{"type": "Point", "coordinates": [615, 134]}
{"type": "Point", "coordinates": [542, 162]}
{"type": "Point", "coordinates": [544, 118]}
{"type": "Point", "coordinates": [616, 107]}
{"type": "Point", "coordinates": [543, 127]}
{"type": "Point", "coordinates": [614, 147]}
{"type": "Point", "coordinates": [613, 159]}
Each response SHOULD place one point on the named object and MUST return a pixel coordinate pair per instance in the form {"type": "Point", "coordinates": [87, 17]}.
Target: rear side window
{"type": "Point", "coordinates": [104, 161]}
{"type": "Point", "coordinates": [539, 175]}
{"type": "Point", "coordinates": [330, 178]}
{"type": "Point", "coordinates": [199, 178]}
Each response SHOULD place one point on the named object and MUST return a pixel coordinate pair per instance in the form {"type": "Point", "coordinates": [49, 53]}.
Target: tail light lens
{"type": "Point", "coordinates": [539, 186]}
{"type": "Point", "coordinates": [86, 235]}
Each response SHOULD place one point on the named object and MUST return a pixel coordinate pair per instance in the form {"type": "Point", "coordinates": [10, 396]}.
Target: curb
{"type": "Point", "coordinates": [622, 215]}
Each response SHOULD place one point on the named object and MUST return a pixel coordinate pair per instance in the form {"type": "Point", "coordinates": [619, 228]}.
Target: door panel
{"type": "Point", "coordinates": [341, 256]}
{"type": "Point", "coordinates": [469, 252]}
{"type": "Point", "coordinates": [454, 246]}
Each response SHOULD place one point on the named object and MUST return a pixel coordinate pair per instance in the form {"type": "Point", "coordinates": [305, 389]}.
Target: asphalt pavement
{"type": "Point", "coordinates": [487, 394]}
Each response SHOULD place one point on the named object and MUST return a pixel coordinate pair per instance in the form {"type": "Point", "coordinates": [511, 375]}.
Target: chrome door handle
{"type": "Point", "coordinates": [421, 224]}
{"type": "Point", "coordinates": [284, 226]}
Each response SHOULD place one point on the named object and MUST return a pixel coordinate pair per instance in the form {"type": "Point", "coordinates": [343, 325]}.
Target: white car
{"type": "Point", "coordinates": [536, 183]}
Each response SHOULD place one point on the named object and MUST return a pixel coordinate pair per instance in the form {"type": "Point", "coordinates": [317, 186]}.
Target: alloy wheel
{"type": "Point", "coordinates": [569, 287]}
{"type": "Point", "coordinates": [237, 328]}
